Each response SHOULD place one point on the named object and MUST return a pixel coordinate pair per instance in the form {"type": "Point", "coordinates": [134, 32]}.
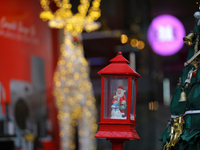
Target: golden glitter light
{"type": "Point", "coordinates": [140, 45]}
{"type": "Point", "coordinates": [64, 18]}
{"type": "Point", "coordinates": [124, 39]}
{"type": "Point", "coordinates": [134, 42]}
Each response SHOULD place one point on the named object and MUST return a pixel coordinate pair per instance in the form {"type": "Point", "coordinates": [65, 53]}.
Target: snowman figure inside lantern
{"type": "Point", "coordinates": [119, 104]}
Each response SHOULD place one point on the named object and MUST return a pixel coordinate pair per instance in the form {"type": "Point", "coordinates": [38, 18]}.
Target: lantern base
{"type": "Point", "coordinates": [117, 135]}
{"type": "Point", "coordinates": [117, 144]}
{"type": "Point", "coordinates": [117, 131]}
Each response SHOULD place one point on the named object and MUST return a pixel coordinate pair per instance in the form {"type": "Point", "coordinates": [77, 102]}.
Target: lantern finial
{"type": "Point", "coordinates": [119, 53]}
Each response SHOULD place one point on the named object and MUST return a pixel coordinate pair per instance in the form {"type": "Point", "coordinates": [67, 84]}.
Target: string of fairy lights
{"type": "Point", "coordinates": [73, 89]}
{"type": "Point", "coordinates": [75, 84]}
{"type": "Point", "coordinates": [74, 23]}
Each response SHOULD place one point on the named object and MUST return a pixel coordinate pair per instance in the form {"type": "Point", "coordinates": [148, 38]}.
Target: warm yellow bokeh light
{"type": "Point", "coordinates": [134, 42]}
{"type": "Point", "coordinates": [141, 45]}
{"type": "Point", "coordinates": [153, 105]}
{"type": "Point", "coordinates": [124, 38]}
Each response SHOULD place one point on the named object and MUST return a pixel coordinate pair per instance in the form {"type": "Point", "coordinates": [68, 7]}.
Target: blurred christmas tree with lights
{"type": "Point", "coordinates": [183, 129]}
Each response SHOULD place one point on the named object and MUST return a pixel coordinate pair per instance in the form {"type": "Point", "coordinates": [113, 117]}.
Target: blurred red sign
{"type": "Point", "coordinates": [26, 60]}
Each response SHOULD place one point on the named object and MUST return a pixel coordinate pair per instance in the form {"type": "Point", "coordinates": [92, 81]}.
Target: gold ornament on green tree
{"type": "Point", "coordinates": [183, 130]}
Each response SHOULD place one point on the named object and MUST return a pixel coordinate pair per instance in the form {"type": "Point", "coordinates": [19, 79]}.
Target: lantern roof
{"type": "Point", "coordinates": [119, 66]}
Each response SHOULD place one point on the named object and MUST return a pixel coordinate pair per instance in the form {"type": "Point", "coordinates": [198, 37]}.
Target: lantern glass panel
{"type": "Point", "coordinates": [115, 97]}
{"type": "Point", "coordinates": [133, 99]}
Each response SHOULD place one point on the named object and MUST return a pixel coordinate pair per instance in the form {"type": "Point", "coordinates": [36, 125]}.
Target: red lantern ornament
{"type": "Point", "coordinates": [118, 102]}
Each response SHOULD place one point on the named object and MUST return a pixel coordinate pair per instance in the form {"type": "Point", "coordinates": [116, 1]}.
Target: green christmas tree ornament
{"type": "Point", "coordinates": [183, 130]}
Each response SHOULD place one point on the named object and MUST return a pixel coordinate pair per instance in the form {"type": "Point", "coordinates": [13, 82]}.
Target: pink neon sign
{"type": "Point", "coordinates": [165, 35]}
